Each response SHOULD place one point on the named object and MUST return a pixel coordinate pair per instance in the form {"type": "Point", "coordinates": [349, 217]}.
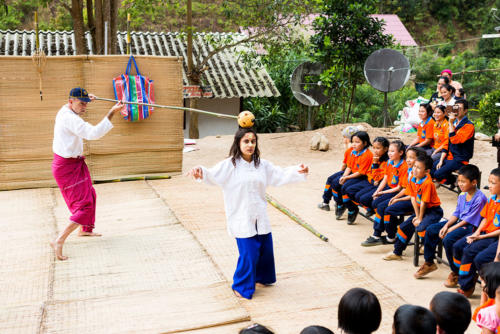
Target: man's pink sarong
{"type": "Point", "coordinates": [73, 178]}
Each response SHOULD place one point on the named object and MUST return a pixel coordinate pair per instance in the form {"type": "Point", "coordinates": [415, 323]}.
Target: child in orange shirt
{"type": "Point", "coordinates": [425, 130]}
{"type": "Point", "coordinates": [441, 135]}
{"type": "Point", "coordinates": [471, 252]}
{"type": "Point", "coordinates": [366, 188]}
{"type": "Point", "coordinates": [426, 204]}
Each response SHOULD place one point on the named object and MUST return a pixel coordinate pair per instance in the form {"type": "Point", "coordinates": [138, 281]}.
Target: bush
{"type": "Point", "coordinates": [268, 117]}
{"type": "Point", "coordinates": [489, 112]}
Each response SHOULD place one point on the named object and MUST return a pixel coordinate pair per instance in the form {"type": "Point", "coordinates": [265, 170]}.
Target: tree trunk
{"type": "Point", "coordinates": [113, 24]}
{"type": "Point", "coordinates": [351, 97]}
{"type": "Point", "coordinates": [193, 103]}
{"type": "Point", "coordinates": [99, 28]}
{"type": "Point", "coordinates": [78, 28]}
{"type": "Point", "coordinates": [106, 17]}
{"type": "Point", "coordinates": [91, 22]}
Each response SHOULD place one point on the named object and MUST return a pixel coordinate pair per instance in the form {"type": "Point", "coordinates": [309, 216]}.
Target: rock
{"type": "Point", "coordinates": [315, 141]}
{"type": "Point", "coordinates": [323, 143]}
{"type": "Point", "coordinates": [482, 136]}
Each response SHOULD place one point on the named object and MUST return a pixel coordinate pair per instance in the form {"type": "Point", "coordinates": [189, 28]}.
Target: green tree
{"type": "Point", "coordinates": [346, 36]}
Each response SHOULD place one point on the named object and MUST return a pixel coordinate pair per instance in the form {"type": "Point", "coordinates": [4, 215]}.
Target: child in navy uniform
{"type": "Point", "coordinates": [426, 205]}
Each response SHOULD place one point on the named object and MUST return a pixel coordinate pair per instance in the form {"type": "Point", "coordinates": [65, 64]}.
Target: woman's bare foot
{"type": "Point", "coordinates": [57, 247]}
{"type": "Point", "coordinates": [88, 234]}
{"type": "Point", "coordinates": [237, 294]}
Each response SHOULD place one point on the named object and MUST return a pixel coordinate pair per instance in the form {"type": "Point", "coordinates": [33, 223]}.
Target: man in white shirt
{"type": "Point", "coordinates": [69, 168]}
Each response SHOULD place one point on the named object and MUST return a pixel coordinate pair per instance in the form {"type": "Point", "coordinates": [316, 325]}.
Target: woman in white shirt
{"type": "Point", "coordinates": [244, 178]}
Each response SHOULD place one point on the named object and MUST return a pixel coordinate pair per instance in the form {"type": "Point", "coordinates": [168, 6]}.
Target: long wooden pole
{"type": "Point", "coordinates": [170, 107]}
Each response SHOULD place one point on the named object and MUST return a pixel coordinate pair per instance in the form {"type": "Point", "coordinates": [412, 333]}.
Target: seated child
{"type": "Point", "coordinates": [413, 319]}
{"type": "Point", "coordinates": [399, 205]}
{"type": "Point", "coordinates": [425, 130]}
{"type": "Point", "coordinates": [426, 206]}
{"type": "Point", "coordinates": [480, 247]}
{"type": "Point", "coordinates": [462, 222]}
{"type": "Point", "coordinates": [395, 173]}
{"type": "Point", "coordinates": [357, 304]}
{"type": "Point", "coordinates": [490, 281]}
{"type": "Point", "coordinates": [367, 187]}
{"type": "Point", "coordinates": [452, 312]}
{"type": "Point", "coordinates": [358, 163]}
{"type": "Point", "coordinates": [461, 144]}
{"type": "Point", "coordinates": [488, 318]}
{"type": "Point", "coordinates": [328, 193]}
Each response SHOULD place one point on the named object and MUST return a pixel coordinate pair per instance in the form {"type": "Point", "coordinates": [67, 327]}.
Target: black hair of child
{"type": "Point", "coordinates": [413, 319]}
{"type": "Point", "coordinates": [356, 304]}
{"type": "Point", "coordinates": [442, 108]}
{"type": "Point", "coordinates": [462, 92]}
{"type": "Point", "coordinates": [427, 160]}
{"type": "Point", "coordinates": [419, 152]}
{"type": "Point", "coordinates": [400, 146]}
{"type": "Point", "coordinates": [428, 109]}
{"type": "Point", "coordinates": [446, 79]}
{"type": "Point", "coordinates": [255, 329]}
{"type": "Point", "coordinates": [385, 143]}
{"type": "Point", "coordinates": [316, 330]}
{"type": "Point", "coordinates": [490, 273]}
{"type": "Point", "coordinates": [363, 136]}
{"type": "Point", "coordinates": [464, 102]}
{"type": "Point", "coordinates": [449, 88]}
{"type": "Point", "coordinates": [235, 151]}
{"type": "Point", "coordinates": [496, 172]}
{"type": "Point", "coordinates": [470, 172]}
{"type": "Point", "coordinates": [452, 312]}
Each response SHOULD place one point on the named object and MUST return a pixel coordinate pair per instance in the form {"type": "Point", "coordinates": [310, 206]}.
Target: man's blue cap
{"type": "Point", "coordinates": [79, 93]}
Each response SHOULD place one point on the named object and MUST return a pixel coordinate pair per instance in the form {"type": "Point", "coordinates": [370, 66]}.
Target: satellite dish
{"type": "Point", "coordinates": [387, 70]}
{"type": "Point", "coordinates": [307, 88]}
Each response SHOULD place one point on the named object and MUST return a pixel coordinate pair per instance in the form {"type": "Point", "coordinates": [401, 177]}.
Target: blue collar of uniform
{"type": "Point", "coordinates": [456, 123]}
{"type": "Point", "coordinates": [391, 162]}
{"type": "Point", "coordinates": [494, 197]}
{"type": "Point", "coordinates": [427, 121]}
{"type": "Point", "coordinates": [356, 153]}
{"type": "Point", "coordinates": [414, 180]}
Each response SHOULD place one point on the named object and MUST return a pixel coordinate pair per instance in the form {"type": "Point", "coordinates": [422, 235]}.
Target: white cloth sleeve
{"type": "Point", "coordinates": [277, 176]}
{"type": "Point", "coordinates": [218, 174]}
{"type": "Point", "coordinates": [86, 130]}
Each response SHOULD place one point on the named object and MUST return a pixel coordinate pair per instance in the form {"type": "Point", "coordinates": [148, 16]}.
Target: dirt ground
{"type": "Point", "coordinates": [291, 148]}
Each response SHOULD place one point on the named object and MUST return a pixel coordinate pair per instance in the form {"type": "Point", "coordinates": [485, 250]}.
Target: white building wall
{"type": "Point", "coordinates": [211, 125]}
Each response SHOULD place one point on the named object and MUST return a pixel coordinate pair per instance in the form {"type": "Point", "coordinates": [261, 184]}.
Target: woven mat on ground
{"type": "Point", "coordinates": [146, 274]}
{"type": "Point", "coordinates": [312, 275]}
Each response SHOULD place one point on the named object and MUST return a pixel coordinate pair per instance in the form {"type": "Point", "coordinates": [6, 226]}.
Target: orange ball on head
{"type": "Point", "coordinates": [246, 119]}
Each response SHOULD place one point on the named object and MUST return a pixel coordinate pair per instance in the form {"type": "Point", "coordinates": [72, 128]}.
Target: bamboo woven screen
{"type": "Point", "coordinates": [149, 146]}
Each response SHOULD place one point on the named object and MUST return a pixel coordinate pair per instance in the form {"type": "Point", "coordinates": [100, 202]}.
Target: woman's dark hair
{"type": "Point", "coordinates": [463, 102]}
{"type": "Point", "coordinates": [363, 136]}
{"type": "Point", "coordinates": [412, 319]}
{"type": "Point", "coordinates": [442, 108]}
{"type": "Point", "coordinates": [235, 151]}
{"type": "Point", "coordinates": [255, 329]}
{"type": "Point", "coordinates": [462, 92]}
{"type": "Point", "coordinates": [449, 88]}
{"type": "Point", "coordinates": [357, 304]}
{"type": "Point", "coordinates": [428, 109]}
{"type": "Point", "coordinates": [385, 143]}
{"type": "Point", "coordinates": [490, 273]}
{"type": "Point", "coordinates": [470, 172]}
{"type": "Point", "coordinates": [419, 152]}
{"type": "Point", "coordinates": [452, 312]}
{"type": "Point", "coordinates": [446, 79]}
{"type": "Point", "coordinates": [316, 330]}
{"type": "Point", "coordinates": [400, 146]}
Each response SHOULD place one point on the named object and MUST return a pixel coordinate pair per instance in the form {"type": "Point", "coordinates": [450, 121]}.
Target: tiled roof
{"type": "Point", "coordinates": [396, 28]}
{"type": "Point", "coordinates": [226, 76]}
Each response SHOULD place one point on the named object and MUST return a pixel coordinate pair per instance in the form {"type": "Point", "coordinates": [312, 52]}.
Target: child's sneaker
{"type": "Point", "coordinates": [324, 206]}
{"type": "Point", "coordinates": [451, 281]}
{"type": "Point", "coordinates": [388, 241]}
{"type": "Point", "coordinates": [393, 257]}
{"type": "Point", "coordinates": [372, 241]}
{"type": "Point", "coordinates": [339, 211]}
{"type": "Point", "coordinates": [425, 269]}
{"type": "Point", "coordinates": [351, 216]}
{"type": "Point", "coordinates": [369, 212]}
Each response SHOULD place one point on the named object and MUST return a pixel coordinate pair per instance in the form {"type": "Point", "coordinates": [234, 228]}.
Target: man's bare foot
{"type": "Point", "coordinates": [237, 294]}
{"type": "Point", "coordinates": [57, 247]}
{"type": "Point", "coordinates": [88, 234]}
